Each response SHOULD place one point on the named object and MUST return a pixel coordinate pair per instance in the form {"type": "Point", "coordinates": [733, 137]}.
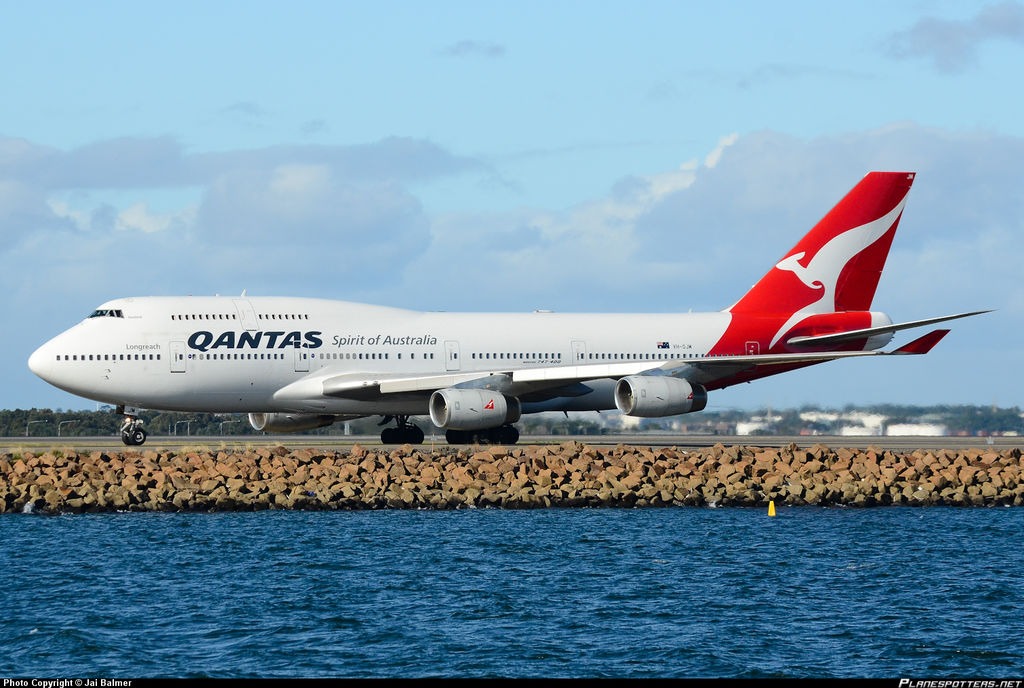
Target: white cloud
{"type": "Point", "coordinates": [714, 156]}
{"type": "Point", "coordinates": [952, 45]}
{"type": "Point", "coordinates": [79, 217]}
{"type": "Point", "coordinates": [139, 218]}
{"type": "Point", "coordinates": [308, 181]}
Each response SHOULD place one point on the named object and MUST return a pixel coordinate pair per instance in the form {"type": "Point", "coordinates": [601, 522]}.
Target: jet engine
{"type": "Point", "coordinates": [289, 422]}
{"type": "Point", "coordinates": [472, 409]}
{"type": "Point", "coordinates": [654, 396]}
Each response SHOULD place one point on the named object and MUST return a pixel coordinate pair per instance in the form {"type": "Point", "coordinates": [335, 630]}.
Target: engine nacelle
{"type": "Point", "coordinates": [289, 422]}
{"type": "Point", "coordinates": [654, 396]}
{"type": "Point", "coordinates": [472, 409]}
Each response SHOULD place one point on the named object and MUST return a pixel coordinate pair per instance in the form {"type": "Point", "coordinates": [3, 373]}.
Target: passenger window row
{"type": "Point", "coordinates": [366, 356]}
{"type": "Point", "coordinates": [517, 357]}
{"type": "Point", "coordinates": [635, 357]}
{"type": "Point", "coordinates": [108, 357]}
{"type": "Point", "coordinates": [229, 316]}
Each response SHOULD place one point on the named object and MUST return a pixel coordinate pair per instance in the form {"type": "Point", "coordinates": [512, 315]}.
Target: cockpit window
{"type": "Point", "coordinates": [107, 313]}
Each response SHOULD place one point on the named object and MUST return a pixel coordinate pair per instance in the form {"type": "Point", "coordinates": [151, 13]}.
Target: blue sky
{"type": "Point", "coordinates": [498, 156]}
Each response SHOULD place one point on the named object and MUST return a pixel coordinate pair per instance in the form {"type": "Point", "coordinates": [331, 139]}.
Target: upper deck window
{"type": "Point", "coordinates": [107, 313]}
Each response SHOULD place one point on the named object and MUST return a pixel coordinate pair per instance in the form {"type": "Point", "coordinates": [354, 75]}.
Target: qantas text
{"type": "Point", "coordinates": [204, 341]}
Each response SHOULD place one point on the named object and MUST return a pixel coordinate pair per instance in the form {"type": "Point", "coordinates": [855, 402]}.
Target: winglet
{"type": "Point", "coordinates": [922, 345]}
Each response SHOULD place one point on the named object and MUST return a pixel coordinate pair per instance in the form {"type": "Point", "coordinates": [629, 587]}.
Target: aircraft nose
{"type": "Point", "coordinates": [39, 361]}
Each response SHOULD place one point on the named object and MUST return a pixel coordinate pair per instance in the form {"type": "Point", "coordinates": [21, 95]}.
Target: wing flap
{"type": "Point", "coordinates": [362, 385]}
{"type": "Point", "coordinates": [514, 381]}
{"type": "Point", "coordinates": [584, 372]}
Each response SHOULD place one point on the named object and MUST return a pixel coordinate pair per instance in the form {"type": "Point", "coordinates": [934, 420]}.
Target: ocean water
{"type": "Point", "coordinates": [888, 592]}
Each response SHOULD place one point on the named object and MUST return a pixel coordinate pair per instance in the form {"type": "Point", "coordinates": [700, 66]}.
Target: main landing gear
{"type": "Point", "coordinates": [506, 434]}
{"type": "Point", "coordinates": [132, 433]}
{"type": "Point", "coordinates": [405, 433]}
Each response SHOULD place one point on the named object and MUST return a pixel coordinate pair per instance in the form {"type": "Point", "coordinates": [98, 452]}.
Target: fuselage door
{"type": "Point", "coordinates": [451, 355]}
{"type": "Point", "coordinates": [579, 351]}
{"type": "Point", "coordinates": [178, 357]}
{"type": "Point", "coordinates": [302, 360]}
{"type": "Point", "coordinates": [753, 348]}
{"type": "Point", "coordinates": [246, 315]}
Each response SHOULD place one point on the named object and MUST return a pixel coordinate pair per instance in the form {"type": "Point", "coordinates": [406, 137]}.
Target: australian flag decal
{"type": "Point", "coordinates": [662, 345]}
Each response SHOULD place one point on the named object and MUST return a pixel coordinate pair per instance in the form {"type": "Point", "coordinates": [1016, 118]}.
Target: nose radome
{"type": "Point", "coordinates": [39, 361]}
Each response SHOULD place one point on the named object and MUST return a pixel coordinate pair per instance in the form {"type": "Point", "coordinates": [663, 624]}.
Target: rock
{"type": "Point", "coordinates": [570, 474]}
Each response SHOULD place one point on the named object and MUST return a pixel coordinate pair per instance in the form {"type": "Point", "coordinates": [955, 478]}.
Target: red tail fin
{"type": "Point", "coordinates": [836, 266]}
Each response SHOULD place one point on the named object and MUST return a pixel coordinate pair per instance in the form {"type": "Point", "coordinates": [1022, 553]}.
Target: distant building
{"type": "Point", "coordinates": [927, 429]}
{"type": "Point", "coordinates": [756, 424]}
{"type": "Point", "coordinates": [629, 422]}
{"type": "Point", "coordinates": [750, 427]}
{"type": "Point", "coordinates": [819, 416]}
{"type": "Point", "coordinates": [872, 421]}
{"type": "Point", "coordinates": [860, 430]}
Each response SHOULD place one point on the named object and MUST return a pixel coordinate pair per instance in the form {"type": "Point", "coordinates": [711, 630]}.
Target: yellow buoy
{"type": "Point", "coordinates": [771, 507]}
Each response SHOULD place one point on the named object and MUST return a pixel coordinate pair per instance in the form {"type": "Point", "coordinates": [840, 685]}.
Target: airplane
{"type": "Point", "coordinates": [295, 364]}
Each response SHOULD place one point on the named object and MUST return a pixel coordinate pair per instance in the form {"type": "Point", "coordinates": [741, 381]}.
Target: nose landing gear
{"type": "Point", "coordinates": [132, 433]}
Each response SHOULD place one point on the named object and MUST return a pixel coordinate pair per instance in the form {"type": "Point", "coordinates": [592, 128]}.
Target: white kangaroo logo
{"type": "Point", "coordinates": [822, 273]}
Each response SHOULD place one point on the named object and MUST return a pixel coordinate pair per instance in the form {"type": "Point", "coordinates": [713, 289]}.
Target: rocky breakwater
{"type": "Point", "coordinates": [518, 477]}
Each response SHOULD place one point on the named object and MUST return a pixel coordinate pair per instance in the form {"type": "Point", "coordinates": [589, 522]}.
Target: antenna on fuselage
{"type": "Point", "coordinates": [243, 293]}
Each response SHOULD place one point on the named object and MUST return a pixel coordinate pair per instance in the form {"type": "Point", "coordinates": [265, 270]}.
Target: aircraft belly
{"type": "Point", "coordinates": [599, 399]}
{"type": "Point", "coordinates": [107, 383]}
{"type": "Point", "coordinates": [406, 405]}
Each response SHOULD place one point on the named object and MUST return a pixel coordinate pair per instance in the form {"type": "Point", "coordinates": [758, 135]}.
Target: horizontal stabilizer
{"type": "Point", "coordinates": [851, 335]}
{"type": "Point", "coordinates": [708, 371]}
{"type": "Point", "coordinates": [922, 345]}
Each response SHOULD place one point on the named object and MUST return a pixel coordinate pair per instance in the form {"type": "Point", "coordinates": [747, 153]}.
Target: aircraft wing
{"type": "Point", "coordinates": [513, 382]}
{"type": "Point", "coordinates": [560, 380]}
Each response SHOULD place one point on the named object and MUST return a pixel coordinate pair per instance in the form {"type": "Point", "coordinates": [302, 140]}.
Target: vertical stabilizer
{"type": "Point", "coordinates": [836, 266]}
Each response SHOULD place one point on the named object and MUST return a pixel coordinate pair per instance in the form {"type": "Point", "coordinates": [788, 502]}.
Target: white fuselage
{"type": "Point", "coordinates": [270, 354]}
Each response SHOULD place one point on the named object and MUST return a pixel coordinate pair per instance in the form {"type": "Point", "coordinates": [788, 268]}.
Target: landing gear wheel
{"type": "Point", "coordinates": [458, 436]}
{"type": "Point", "coordinates": [132, 433]}
{"type": "Point", "coordinates": [506, 434]}
{"type": "Point", "coordinates": [405, 433]}
{"type": "Point", "coordinates": [413, 434]}
{"type": "Point", "coordinates": [133, 436]}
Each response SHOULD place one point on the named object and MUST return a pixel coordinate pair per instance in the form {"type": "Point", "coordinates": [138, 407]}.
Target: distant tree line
{"type": "Point", "coordinates": [106, 421]}
{"type": "Point", "coordinates": [958, 420]}
{"type": "Point", "coordinates": [49, 423]}
{"type": "Point", "coordinates": [59, 423]}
